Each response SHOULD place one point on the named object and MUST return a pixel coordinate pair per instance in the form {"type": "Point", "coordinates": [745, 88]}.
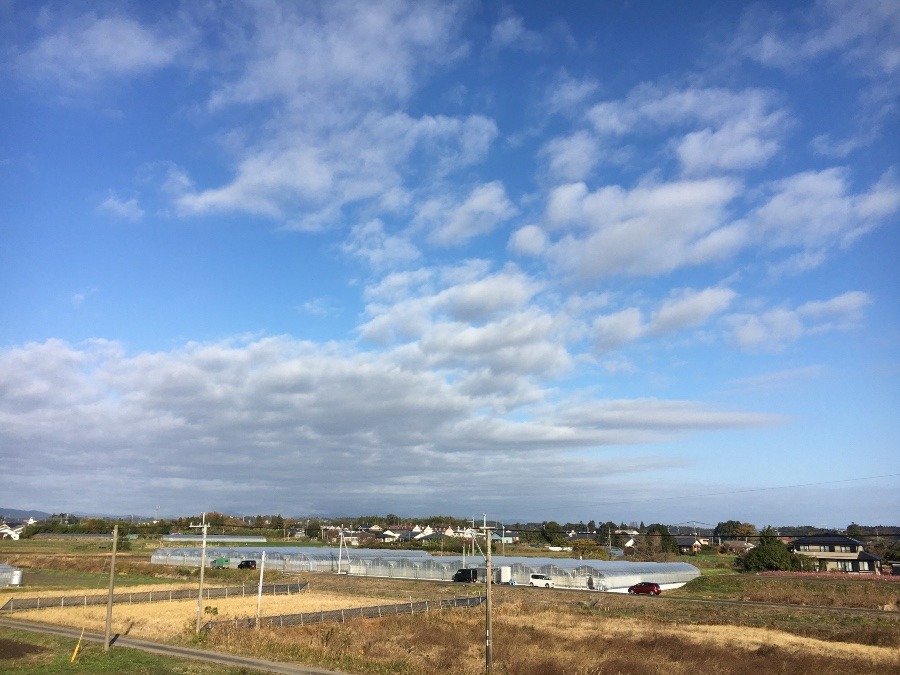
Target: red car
{"type": "Point", "coordinates": [645, 588]}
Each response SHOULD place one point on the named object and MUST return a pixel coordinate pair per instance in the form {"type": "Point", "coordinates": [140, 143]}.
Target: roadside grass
{"type": "Point", "coordinates": [26, 653]}
{"type": "Point", "coordinates": [865, 593]}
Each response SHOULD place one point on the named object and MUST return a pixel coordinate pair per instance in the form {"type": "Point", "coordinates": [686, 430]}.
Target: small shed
{"type": "Point", "coordinates": [10, 576]}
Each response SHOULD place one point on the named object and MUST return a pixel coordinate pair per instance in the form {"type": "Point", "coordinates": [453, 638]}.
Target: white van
{"type": "Point", "coordinates": [540, 580]}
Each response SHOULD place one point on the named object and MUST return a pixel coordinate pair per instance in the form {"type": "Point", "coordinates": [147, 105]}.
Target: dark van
{"type": "Point", "coordinates": [466, 575]}
{"type": "Point", "coordinates": [247, 565]}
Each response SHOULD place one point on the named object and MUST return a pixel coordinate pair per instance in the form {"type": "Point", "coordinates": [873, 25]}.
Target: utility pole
{"type": "Point", "coordinates": [488, 649]}
{"type": "Point", "coordinates": [204, 526]}
{"type": "Point", "coordinates": [112, 582]}
{"type": "Point", "coordinates": [262, 567]}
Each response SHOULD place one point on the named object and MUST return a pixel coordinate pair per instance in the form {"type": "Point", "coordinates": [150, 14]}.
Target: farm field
{"type": "Point", "coordinates": [714, 623]}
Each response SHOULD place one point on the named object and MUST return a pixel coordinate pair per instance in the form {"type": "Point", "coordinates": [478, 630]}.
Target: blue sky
{"type": "Point", "coordinates": [625, 260]}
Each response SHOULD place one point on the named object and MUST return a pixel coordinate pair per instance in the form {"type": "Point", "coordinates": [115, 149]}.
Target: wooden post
{"type": "Point", "coordinates": [112, 584]}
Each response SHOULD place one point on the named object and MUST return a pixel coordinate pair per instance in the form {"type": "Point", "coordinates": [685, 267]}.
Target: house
{"type": "Point", "coordinates": [737, 546]}
{"type": "Point", "coordinates": [837, 553]}
{"type": "Point", "coordinates": [688, 544]}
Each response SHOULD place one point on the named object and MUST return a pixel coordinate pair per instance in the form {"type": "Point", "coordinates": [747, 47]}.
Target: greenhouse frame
{"type": "Point", "coordinates": [602, 575]}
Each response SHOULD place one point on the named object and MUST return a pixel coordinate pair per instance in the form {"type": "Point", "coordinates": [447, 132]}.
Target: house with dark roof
{"type": "Point", "coordinates": [837, 553]}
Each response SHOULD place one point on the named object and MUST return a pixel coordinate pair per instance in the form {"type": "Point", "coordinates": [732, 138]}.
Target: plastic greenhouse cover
{"type": "Point", "coordinates": [606, 568]}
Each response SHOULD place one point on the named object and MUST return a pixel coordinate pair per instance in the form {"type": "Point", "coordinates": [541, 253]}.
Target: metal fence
{"type": "Point", "coordinates": [343, 615]}
{"type": "Point", "coordinates": [162, 595]}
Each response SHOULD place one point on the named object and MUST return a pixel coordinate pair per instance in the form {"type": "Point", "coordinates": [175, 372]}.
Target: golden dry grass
{"type": "Point", "coordinates": [171, 620]}
{"type": "Point", "coordinates": [530, 639]}
{"type": "Point", "coordinates": [535, 632]}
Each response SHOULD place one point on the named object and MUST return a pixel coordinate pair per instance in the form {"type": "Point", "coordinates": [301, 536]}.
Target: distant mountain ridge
{"type": "Point", "coordinates": [18, 514]}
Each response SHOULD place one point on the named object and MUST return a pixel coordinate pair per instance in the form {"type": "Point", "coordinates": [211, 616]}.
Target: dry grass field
{"type": "Point", "coordinates": [549, 638]}
{"type": "Point", "coordinates": [171, 621]}
{"type": "Point", "coordinates": [535, 632]}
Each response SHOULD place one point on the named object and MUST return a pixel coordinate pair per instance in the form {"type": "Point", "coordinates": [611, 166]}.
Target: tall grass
{"type": "Point", "coordinates": [543, 639]}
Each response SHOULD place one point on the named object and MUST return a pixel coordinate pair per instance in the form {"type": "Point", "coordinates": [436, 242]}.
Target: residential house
{"type": "Point", "coordinates": [688, 544]}
{"type": "Point", "coordinates": [737, 546]}
{"type": "Point", "coordinates": [837, 553]}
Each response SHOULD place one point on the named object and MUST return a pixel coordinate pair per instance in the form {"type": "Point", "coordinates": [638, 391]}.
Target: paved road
{"type": "Point", "coordinates": [169, 650]}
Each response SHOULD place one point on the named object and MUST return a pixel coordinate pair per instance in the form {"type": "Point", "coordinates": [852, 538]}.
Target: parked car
{"type": "Point", "coordinates": [466, 575]}
{"type": "Point", "coordinates": [247, 565]}
{"type": "Point", "coordinates": [645, 588]}
{"type": "Point", "coordinates": [540, 580]}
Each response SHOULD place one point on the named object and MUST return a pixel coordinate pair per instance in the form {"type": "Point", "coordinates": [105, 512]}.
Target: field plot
{"type": "Point", "coordinates": [173, 620]}
{"type": "Point", "coordinates": [714, 624]}
{"type": "Point", "coordinates": [541, 637]}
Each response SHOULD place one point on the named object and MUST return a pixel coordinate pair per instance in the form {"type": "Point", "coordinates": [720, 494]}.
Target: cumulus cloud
{"type": "Point", "coordinates": [690, 308]}
{"type": "Point", "coordinates": [650, 230]}
{"type": "Point", "coordinates": [773, 330]}
{"type": "Point", "coordinates": [511, 33]}
{"type": "Point", "coordinates": [573, 157]}
{"type": "Point", "coordinates": [303, 168]}
{"type": "Point", "coordinates": [479, 213]}
{"type": "Point", "coordinates": [864, 33]}
{"type": "Point", "coordinates": [229, 421]}
{"type": "Point", "coordinates": [370, 242]}
{"type": "Point", "coordinates": [815, 211]}
{"type": "Point", "coordinates": [403, 306]}
{"type": "Point", "coordinates": [684, 308]}
{"type": "Point", "coordinates": [128, 209]}
{"type": "Point", "coordinates": [93, 48]}
{"type": "Point", "coordinates": [371, 51]}
{"type": "Point", "coordinates": [737, 130]}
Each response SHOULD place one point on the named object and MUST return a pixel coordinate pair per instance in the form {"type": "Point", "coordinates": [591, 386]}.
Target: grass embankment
{"type": "Point", "coordinates": [868, 592]}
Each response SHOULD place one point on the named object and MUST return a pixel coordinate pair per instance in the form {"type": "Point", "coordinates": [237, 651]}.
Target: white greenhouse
{"type": "Point", "coordinates": [601, 575]}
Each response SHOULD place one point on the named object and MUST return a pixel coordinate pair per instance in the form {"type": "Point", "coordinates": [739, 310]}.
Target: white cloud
{"type": "Point", "coordinates": [814, 210]}
{"type": "Point", "coordinates": [774, 329]}
{"type": "Point", "coordinates": [370, 242]}
{"type": "Point", "coordinates": [614, 330]}
{"type": "Point", "coordinates": [650, 230]}
{"type": "Point", "coordinates": [278, 411]}
{"type": "Point", "coordinates": [451, 225]}
{"type": "Point", "coordinates": [528, 240]}
{"type": "Point", "coordinates": [737, 129]}
{"type": "Point", "coordinates": [568, 94]}
{"type": "Point", "coordinates": [842, 312]}
{"type": "Point", "coordinates": [325, 169]}
{"type": "Point", "coordinates": [511, 33]}
{"type": "Point", "coordinates": [404, 306]}
{"type": "Point", "coordinates": [91, 49]}
{"type": "Point", "coordinates": [346, 53]}
{"type": "Point", "coordinates": [683, 309]}
{"type": "Point", "coordinates": [690, 308]}
{"type": "Point", "coordinates": [129, 209]}
{"type": "Point", "coordinates": [863, 32]}
{"type": "Point", "coordinates": [572, 158]}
